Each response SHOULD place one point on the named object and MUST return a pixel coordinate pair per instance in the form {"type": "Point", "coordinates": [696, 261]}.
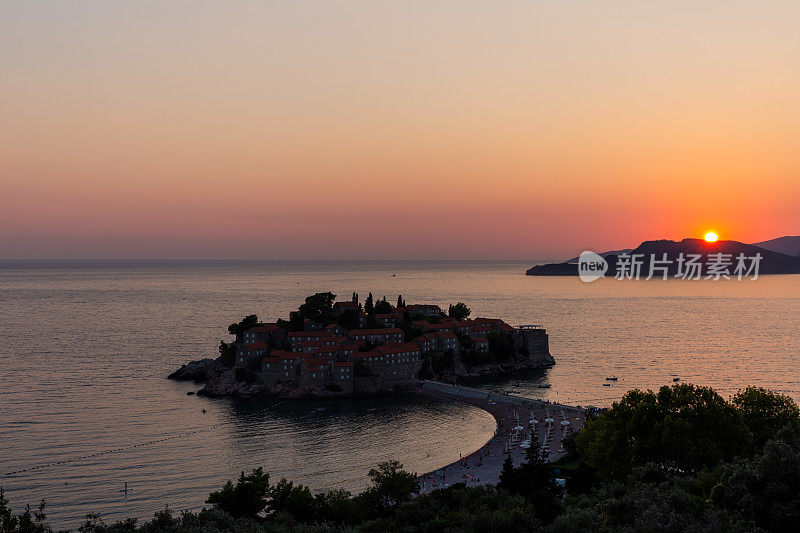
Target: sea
{"type": "Point", "coordinates": [89, 422]}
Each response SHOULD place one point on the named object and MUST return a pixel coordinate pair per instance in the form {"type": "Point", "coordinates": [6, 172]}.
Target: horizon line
{"type": "Point", "coordinates": [240, 260]}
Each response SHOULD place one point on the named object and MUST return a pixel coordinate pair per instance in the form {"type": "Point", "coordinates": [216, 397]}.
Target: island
{"type": "Point", "coordinates": [670, 252]}
{"type": "Point", "coordinates": [329, 349]}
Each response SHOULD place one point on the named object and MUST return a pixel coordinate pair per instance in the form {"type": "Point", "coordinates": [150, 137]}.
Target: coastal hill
{"type": "Point", "coordinates": [328, 349]}
{"type": "Point", "coordinates": [784, 245]}
{"type": "Point", "coordinates": [771, 262]}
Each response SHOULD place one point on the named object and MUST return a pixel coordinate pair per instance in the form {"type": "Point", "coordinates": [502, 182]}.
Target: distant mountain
{"type": "Point", "coordinates": [783, 245]}
{"type": "Point", "coordinates": [771, 262]}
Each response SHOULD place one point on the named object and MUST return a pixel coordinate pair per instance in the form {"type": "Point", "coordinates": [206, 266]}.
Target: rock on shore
{"type": "Point", "coordinates": [224, 383]}
{"type": "Point", "coordinates": [519, 364]}
{"type": "Point", "coordinates": [196, 370]}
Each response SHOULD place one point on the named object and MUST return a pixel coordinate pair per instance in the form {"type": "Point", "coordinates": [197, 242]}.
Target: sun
{"type": "Point", "coordinates": [711, 237]}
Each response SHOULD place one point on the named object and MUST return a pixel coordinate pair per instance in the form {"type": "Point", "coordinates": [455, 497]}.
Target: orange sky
{"type": "Point", "coordinates": [257, 129]}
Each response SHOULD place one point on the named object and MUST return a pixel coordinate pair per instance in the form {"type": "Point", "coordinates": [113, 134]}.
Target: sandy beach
{"type": "Point", "coordinates": [517, 421]}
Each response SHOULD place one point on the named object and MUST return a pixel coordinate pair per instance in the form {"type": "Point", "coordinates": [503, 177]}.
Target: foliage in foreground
{"type": "Point", "coordinates": [660, 461]}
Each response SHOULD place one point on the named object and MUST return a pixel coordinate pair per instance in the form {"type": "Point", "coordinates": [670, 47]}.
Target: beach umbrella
{"type": "Point", "coordinates": [534, 421]}
{"type": "Point", "coordinates": [565, 423]}
{"type": "Point", "coordinates": [523, 445]}
{"type": "Point", "coordinates": [549, 420]}
{"type": "Point", "coordinates": [518, 428]}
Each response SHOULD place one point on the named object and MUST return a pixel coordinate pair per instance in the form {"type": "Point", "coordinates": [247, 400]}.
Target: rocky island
{"type": "Point", "coordinates": [329, 349]}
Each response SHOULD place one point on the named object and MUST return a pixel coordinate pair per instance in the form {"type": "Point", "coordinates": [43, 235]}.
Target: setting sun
{"type": "Point", "coordinates": [711, 237]}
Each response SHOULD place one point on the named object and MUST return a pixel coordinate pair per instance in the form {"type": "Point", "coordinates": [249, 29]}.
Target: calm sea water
{"type": "Point", "coordinates": [85, 408]}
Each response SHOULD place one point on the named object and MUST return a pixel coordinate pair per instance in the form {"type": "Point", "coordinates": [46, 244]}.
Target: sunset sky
{"type": "Point", "coordinates": [343, 130]}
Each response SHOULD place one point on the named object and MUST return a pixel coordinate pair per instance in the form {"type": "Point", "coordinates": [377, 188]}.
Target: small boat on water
{"type": "Point", "coordinates": [675, 380]}
{"type": "Point", "coordinates": [612, 378]}
{"type": "Point", "coordinates": [544, 386]}
{"type": "Point", "coordinates": [606, 384]}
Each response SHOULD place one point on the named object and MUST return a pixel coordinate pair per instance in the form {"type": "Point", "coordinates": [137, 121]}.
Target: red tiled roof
{"type": "Point", "coordinates": [310, 334]}
{"type": "Point", "coordinates": [427, 326]}
{"type": "Point", "coordinates": [385, 331]}
{"type": "Point", "coordinates": [343, 363]}
{"type": "Point", "coordinates": [397, 347]}
{"type": "Point", "coordinates": [310, 344]}
{"type": "Point", "coordinates": [317, 361]}
{"type": "Point", "coordinates": [480, 339]}
{"type": "Point", "coordinates": [287, 356]}
{"type": "Point", "coordinates": [423, 306]}
{"type": "Point", "coordinates": [270, 359]}
{"type": "Point", "coordinates": [260, 345]}
{"type": "Point", "coordinates": [481, 329]}
{"type": "Point", "coordinates": [447, 335]}
{"type": "Point", "coordinates": [492, 321]}
{"type": "Point", "coordinates": [330, 350]}
{"type": "Point", "coordinates": [263, 328]}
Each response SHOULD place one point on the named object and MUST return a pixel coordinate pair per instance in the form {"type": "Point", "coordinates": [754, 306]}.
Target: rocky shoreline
{"type": "Point", "coordinates": [220, 381]}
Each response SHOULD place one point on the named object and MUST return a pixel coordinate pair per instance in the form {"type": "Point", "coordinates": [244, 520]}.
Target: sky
{"type": "Point", "coordinates": [394, 130]}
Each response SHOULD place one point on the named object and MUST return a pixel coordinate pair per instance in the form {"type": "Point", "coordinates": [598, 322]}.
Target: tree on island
{"type": "Point", "coordinates": [227, 355]}
{"type": "Point", "coordinates": [460, 311]}
{"type": "Point", "coordinates": [369, 310]}
{"type": "Point", "coordinates": [348, 319]}
{"type": "Point", "coordinates": [318, 307]}
{"type": "Point", "coordinates": [400, 302]}
{"type": "Point", "coordinates": [247, 322]}
{"type": "Point", "coordinates": [383, 307]}
{"type": "Point", "coordinates": [500, 345]}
